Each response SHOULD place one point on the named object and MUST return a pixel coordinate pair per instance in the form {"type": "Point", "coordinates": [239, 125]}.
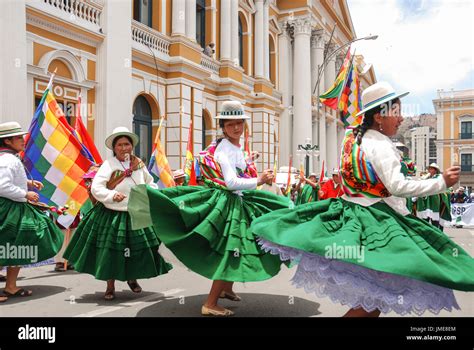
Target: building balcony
{"type": "Point", "coordinates": [145, 39]}
{"type": "Point", "coordinates": [466, 136]}
{"type": "Point", "coordinates": [210, 63]}
{"type": "Point", "coordinates": [83, 13]}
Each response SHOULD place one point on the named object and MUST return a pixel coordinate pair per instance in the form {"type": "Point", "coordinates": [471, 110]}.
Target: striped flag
{"type": "Point", "coordinates": [159, 166]}
{"type": "Point", "coordinates": [54, 156]}
{"type": "Point", "coordinates": [331, 97]}
{"type": "Point", "coordinates": [83, 135]}
{"type": "Point", "coordinates": [350, 101]}
{"type": "Point", "coordinates": [189, 165]}
{"type": "Point", "coordinates": [246, 139]}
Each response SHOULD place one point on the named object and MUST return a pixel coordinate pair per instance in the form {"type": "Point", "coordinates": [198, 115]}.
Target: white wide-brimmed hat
{"type": "Point", "coordinates": [335, 171]}
{"type": "Point", "coordinates": [434, 165]}
{"type": "Point", "coordinates": [378, 94]}
{"type": "Point", "coordinates": [232, 110]}
{"type": "Point", "coordinates": [11, 129]}
{"type": "Point", "coordinates": [121, 131]}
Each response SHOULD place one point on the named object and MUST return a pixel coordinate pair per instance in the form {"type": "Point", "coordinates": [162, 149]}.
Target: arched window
{"type": "Point", "coordinates": [142, 11]}
{"type": "Point", "coordinates": [142, 116]}
{"type": "Point", "coordinates": [201, 22]}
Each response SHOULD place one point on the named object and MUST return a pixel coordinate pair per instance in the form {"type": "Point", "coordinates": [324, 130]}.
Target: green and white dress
{"type": "Point", "coordinates": [105, 245]}
{"type": "Point", "coordinates": [308, 194]}
{"type": "Point", "coordinates": [207, 228]}
{"type": "Point", "coordinates": [27, 235]}
{"type": "Point", "coordinates": [365, 249]}
{"type": "Point", "coordinates": [435, 207]}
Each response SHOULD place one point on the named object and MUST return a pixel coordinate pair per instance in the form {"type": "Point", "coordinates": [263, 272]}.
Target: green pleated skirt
{"type": "Point", "coordinates": [106, 246]}
{"type": "Point", "coordinates": [27, 235]}
{"type": "Point", "coordinates": [208, 229]}
{"type": "Point", "coordinates": [391, 243]}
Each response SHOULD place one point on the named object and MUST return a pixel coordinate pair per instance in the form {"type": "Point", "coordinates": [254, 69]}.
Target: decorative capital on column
{"type": "Point", "coordinates": [318, 38]}
{"type": "Point", "coordinates": [301, 25]}
{"type": "Point", "coordinates": [340, 59]}
{"type": "Point", "coordinates": [287, 29]}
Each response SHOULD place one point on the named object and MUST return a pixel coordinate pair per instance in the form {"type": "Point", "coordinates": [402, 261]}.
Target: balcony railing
{"type": "Point", "coordinates": [467, 167]}
{"type": "Point", "coordinates": [148, 37]}
{"type": "Point", "coordinates": [466, 136]}
{"type": "Point", "coordinates": [86, 13]}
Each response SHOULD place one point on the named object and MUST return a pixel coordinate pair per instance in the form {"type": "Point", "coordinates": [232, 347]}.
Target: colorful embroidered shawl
{"type": "Point", "coordinates": [211, 171]}
{"type": "Point", "coordinates": [358, 176]}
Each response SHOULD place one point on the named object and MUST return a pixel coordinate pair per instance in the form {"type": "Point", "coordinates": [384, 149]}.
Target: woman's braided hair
{"type": "Point", "coordinates": [368, 119]}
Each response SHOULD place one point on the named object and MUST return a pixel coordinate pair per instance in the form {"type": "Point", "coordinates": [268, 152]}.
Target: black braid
{"type": "Point", "coordinates": [368, 119]}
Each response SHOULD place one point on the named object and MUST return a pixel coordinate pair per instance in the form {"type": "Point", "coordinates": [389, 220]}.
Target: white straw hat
{"type": "Point", "coordinates": [378, 94]}
{"type": "Point", "coordinates": [121, 131]}
{"type": "Point", "coordinates": [434, 165]}
{"type": "Point", "coordinates": [11, 129]}
{"type": "Point", "coordinates": [232, 110]}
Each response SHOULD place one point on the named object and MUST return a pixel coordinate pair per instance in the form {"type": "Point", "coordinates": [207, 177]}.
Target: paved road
{"type": "Point", "coordinates": [181, 293]}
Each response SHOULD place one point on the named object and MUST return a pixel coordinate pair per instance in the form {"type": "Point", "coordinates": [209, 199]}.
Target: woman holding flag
{"type": "Point", "coordinates": [23, 227]}
{"type": "Point", "coordinates": [207, 228]}
{"type": "Point", "coordinates": [363, 249]}
{"type": "Point", "coordinates": [104, 244]}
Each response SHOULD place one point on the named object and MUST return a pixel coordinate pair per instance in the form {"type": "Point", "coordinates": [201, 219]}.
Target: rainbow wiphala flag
{"type": "Point", "coordinates": [54, 156]}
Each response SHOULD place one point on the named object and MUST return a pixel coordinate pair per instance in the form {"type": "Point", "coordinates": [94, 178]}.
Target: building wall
{"type": "Point", "coordinates": [453, 107]}
{"type": "Point", "coordinates": [110, 64]}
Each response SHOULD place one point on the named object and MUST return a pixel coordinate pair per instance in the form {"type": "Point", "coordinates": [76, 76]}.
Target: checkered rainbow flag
{"type": "Point", "coordinates": [350, 102]}
{"type": "Point", "coordinates": [54, 156]}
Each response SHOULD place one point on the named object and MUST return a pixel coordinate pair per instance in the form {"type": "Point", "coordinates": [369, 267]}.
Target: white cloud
{"type": "Point", "coordinates": [421, 47]}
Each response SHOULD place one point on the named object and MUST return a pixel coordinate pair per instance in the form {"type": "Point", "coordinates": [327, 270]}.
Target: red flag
{"type": "Point", "coordinates": [84, 137]}
{"type": "Point", "coordinates": [189, 166]}
{"type": "Point", "coordinates": [321, 177]}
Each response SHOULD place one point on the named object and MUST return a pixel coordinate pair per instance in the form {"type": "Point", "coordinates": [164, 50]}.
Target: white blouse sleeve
{"type": "Point", "coordinates": [386, 163]}
{"type": "Point", "coordinates": [99, 185]}
{"type": "Point", "coordinates": [233, 182]}
{"type": "Point", "coordinates": [9, 175]}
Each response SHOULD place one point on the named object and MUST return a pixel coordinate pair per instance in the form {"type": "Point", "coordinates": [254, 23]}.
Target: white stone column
{"type": "Point", "coordinates": [214, 21]}
{"type": "Point", "coordinates": [191, 20]}
{"type": "Point", "coordinates": [302, 115]}
{"type": "Point", "coordinates": [178, 21]}
{"type": "Point", "coordinates": [234, 30]}
{"type": "Point", "coordinates": [114, 88]}
{"type": "Point", "coordinates": [319, 58]}
{"type": "Point", "coordinates": [226, 50]}
{"type": "Point", "coordinates": [163, 17]}
{"type": "Point", "coordinates": [13, 63]}
{"type": "Point", "coordinates": [285, 77]}
{"type": "Point", "coordinates": [266, 41]}
{"type": "Point", "coordinates": [259, 38]}
{"type": "Point", "coordinates": [331, 137]}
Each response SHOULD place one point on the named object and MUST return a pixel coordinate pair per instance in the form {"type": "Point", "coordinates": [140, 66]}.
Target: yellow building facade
{"type": "Point", "coordinates": [134, 62]}
{"type": "Point", "coordinates": [455, 134]}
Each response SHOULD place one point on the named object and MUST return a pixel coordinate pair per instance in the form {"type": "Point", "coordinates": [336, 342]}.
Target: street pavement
{"type": "Point", "coordinates": [180, 293]}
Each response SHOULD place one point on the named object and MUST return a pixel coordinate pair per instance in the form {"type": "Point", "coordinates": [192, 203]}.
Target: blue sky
{"type": "Point", "coordinates": [422, 46]}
